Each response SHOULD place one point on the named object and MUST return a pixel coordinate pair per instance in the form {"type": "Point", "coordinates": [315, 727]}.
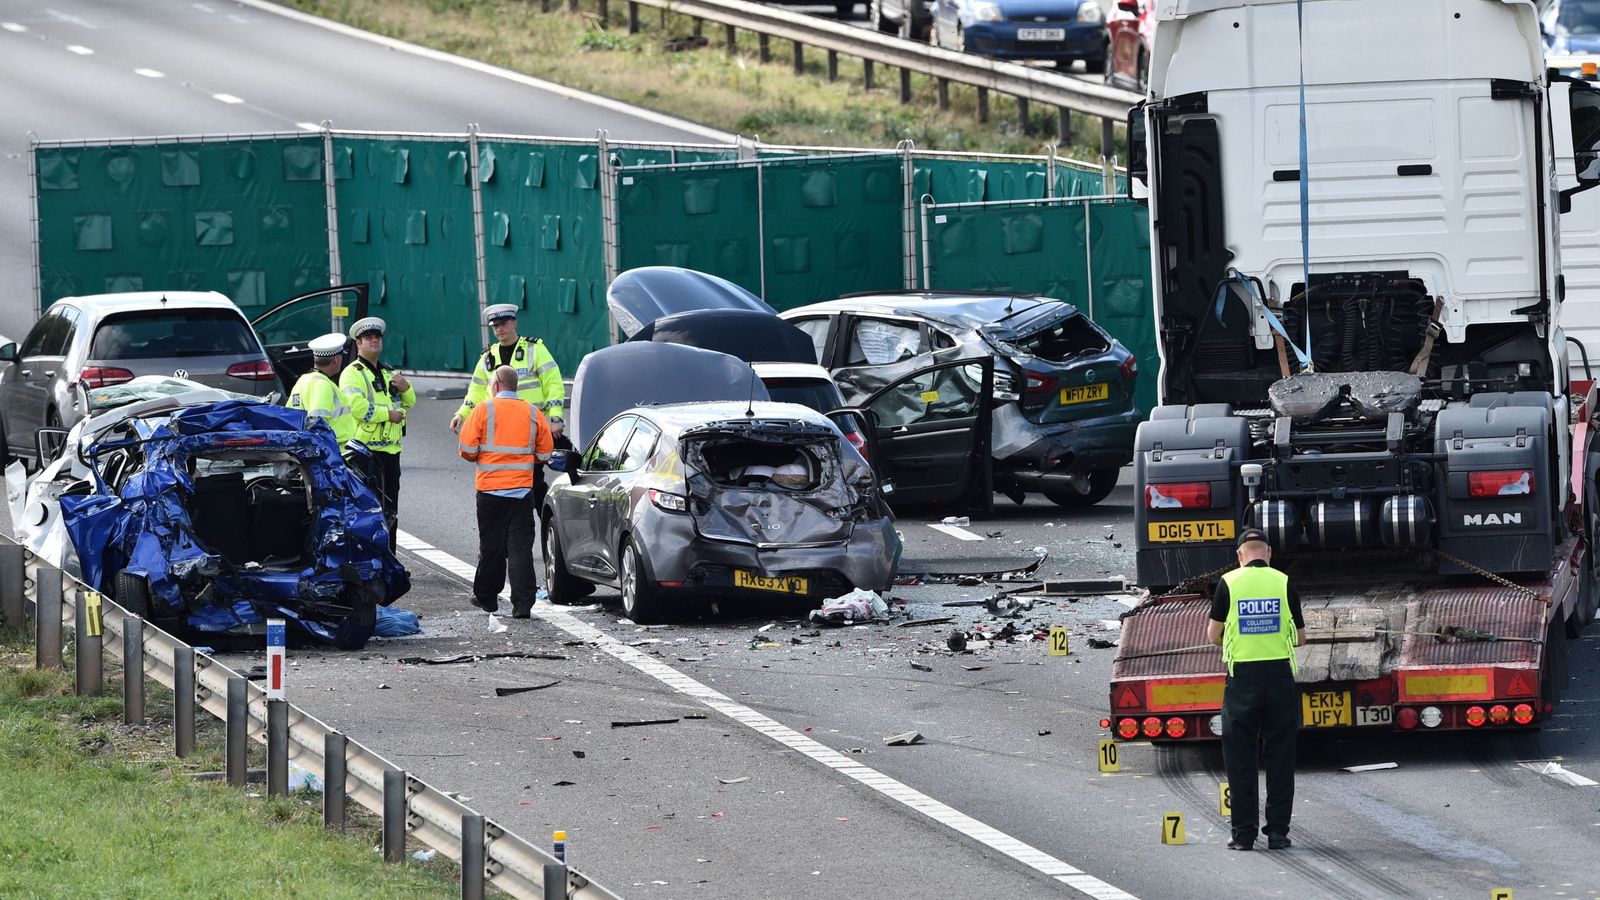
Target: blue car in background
{"type": "Point", "coordinates": [1061, 31]}
{"type": "Point", "coordinates": [1571, 31]}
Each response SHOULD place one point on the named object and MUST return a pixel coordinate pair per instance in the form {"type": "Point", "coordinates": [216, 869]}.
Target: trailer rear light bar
{"type": "Point", "coordinates": [1182, 495]}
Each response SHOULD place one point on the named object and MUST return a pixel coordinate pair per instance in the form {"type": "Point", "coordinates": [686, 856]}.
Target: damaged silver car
{"type": "Point", "coordinates": [676, 502]}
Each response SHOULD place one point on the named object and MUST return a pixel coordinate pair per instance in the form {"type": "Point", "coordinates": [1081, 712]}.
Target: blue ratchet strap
{"type": "Point", "coordinates": [1305, 189]}
{"type": "Point", "coordinates": [1304, 356]}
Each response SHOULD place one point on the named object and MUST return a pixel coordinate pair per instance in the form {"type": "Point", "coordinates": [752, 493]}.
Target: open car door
{"type": "Point", "coordinates": [287, 329]}
{"type": "Point", "coordinates": [930, 435]}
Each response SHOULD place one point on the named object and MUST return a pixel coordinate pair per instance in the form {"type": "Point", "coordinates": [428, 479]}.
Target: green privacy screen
{"type": "Point", "coordinates": [247, 218]}
{"type": "Point", "coordinates": [1092, 253]}
{"type": "Point", "coordinates": [406, 228]}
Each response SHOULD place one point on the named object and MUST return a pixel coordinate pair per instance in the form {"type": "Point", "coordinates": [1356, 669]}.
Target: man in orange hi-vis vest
{"type": "Point", "coordinates": [507, 437]}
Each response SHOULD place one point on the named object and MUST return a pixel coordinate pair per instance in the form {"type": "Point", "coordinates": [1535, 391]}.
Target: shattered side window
{"type": "Point", "coordinates": [1071, 337]}
{"type": "Point", "coordinates": [874, 342]}
{"type": "Point", "coordinates": [947, 393]}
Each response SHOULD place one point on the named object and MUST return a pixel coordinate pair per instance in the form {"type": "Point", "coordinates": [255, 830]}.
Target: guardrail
{"type": "Point", "coordinates": [1025, 84]}
{"type": "Point", "coordinates": [410, 807]}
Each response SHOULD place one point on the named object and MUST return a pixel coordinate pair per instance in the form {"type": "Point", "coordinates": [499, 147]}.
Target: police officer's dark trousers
{"type": "Point", "coordinates": [389, 475]}
{"type": "Point", "coordinates": [1260, 724]}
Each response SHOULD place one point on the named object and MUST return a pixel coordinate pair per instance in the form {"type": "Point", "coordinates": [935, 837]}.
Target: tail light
{"type": "Point", "coordinates": [1177, 727]}
{"type": "Point", "coordinates": [1127, 729]}
{"type": "Point", "coordinates": [259, 370]}
{"type": "Point", "coordinates": [1406, 718]}
{"type": "Point", "coordinates": [1522, 713]}
{"type": "Point", "coordinates": [1499, 484]}
{"type": "Point", "coordinates": [1039, 384]}
{"type": "Point", "coordinates": [1499, 714]}
{"type": "Point", "coordinates": [1189, 495]}
{"type": "Point", "coordinates": [1431, 717]}
{"type": "Point", "coordinates": [668, 502]}
{"type": "Point", "coordinates": [858, 442]}
{"type": "Point", "coordinates": [1129, 368]}
{"type": "Point", "coordinates": [1215, 724]}
{"type": "Point", "coordinates": [1105, 724]}
{"type": "Point", "coordinates": [1476, 716]}
{"type": "Point", "coordinates": [1152, 727]}
{"type": "Point", "coordinates": [100, 376]}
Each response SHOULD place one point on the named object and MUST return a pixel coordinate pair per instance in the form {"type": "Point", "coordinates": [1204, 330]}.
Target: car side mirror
{"type": "Point", "coordinates": [566, 461]}
{"type": "Point", "coordinates": [1128, 6]}
{"type": "Point", "coordinates": [8, 353]}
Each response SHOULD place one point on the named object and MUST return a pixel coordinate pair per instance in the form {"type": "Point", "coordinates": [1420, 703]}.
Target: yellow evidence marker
{"type": "Point", "coordinates": [1224, 800]}
{"type": "Point", "coordinates": [1500, 894]}
{"type": "Point", "coordinates": [1058, 640]}
{"type": "Point", "coordinates": [1108, 758]}
{"type": "Point", "coordinates": [1172, 828]}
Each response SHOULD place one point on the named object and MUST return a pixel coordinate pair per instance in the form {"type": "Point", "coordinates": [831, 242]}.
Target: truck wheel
{"type": "Point", "coordinates": [641, 600]}
{"type": "Point", "coordinates": [1588, 586]}
{"type": "Point", "coordinates": [884, 25]}
{"type": "Point", "coordinates": [1101, 482]}
{"type": "Point", "coordinates": [564, 587]}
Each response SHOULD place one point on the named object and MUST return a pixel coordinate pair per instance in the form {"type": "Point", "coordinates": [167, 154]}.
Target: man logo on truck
{"type": "Point", "coordinates": [1509, 518]}
{"type": "Point", "coordinates": [1260, 616]}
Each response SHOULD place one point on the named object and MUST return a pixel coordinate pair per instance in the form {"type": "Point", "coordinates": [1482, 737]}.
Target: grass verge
{"type": "Point", "coordinates": [671, 68]}
{"type": "Point", "coordinates": [93, 808]}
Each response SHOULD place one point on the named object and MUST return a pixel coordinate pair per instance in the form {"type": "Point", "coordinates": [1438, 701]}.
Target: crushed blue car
{"type": "Point", "coordinates": [209, 518]}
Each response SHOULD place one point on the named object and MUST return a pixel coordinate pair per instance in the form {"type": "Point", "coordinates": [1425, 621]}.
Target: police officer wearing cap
{"type": "Point", "coordinates": [378, 397]}
{"type": "Point", "coordinates": [1256, 619]}
{"type": "Point", "coordinates": [538, 376]}
{"type": "Point", "coordinates": [318, 394]}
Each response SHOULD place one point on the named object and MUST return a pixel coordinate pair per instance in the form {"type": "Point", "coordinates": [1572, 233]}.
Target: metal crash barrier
{"type": "Point", "coordinates": [411, 808]}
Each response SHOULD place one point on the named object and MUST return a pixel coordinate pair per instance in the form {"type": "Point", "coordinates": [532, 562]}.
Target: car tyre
{"type": "Point", "coordinates": [843, 10]}
{"type": "Point", "coordinates": [1093, 66]}
{"type": "Point", "coordinates": [564, 587]}
{"type": "Point", "coordinates": [1101, 482]}
{"type": "Point", "coordinates": [875, 13]}
{"type": "Point", "coordinates": [133, 594]}
{"type": "Point", "coordinates": [641, 600]}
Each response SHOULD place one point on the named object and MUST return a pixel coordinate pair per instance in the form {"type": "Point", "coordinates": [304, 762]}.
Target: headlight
{"type": "Point", "coordinates": [987, 12]}
{"type": "Point", "coordinates": [1089, 11]}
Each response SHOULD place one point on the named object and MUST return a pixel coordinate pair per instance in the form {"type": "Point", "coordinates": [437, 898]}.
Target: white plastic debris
{"type": "Point", "coordinates": [1373, 767]}
{"type": "Point", "coordinates": [495, 625]}
{"type": "Point", "coordinates": [955, 520]}
{"type": "Point", "coordinates": [1559, 772]}
{"type": "Point", "coordinates": [303, 780]}
{"type": "Point", "coordinates": [425, 855]}
{"type": "Point", "coordinates": [857, 606]}
{"type": "Point", "coordinates": [1041, 552]}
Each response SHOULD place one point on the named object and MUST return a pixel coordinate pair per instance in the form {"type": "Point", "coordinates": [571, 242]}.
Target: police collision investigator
{"type": "Point", "coordinates": [1256, 619]}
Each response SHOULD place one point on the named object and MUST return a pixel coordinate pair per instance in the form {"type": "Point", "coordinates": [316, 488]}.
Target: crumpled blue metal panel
{"type": "Point", "coordinates": [146, 529]}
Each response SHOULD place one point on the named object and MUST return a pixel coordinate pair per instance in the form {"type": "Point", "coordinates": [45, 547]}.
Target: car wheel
{"type": "Point", "coordinates": [1144, 71]}
{"type": "Point", "coordinates": [1101, 481]}
{"type": "Point", "coordinates": [564, 587]}
{"type": "Point", "coordinates": [843, 10]}
{"type": "Point", "coordinates": [133, 594]}
{"type": "Point", "coordinates": [884, 25]}
{"type": "Point", "coordinates": [641, 600]}
{"type": "Point", "coordinates": [1094, 66]}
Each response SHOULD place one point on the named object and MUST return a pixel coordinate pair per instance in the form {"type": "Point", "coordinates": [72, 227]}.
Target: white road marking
{"type": "Point", "coordinates": [79, 49]}
{"type": "Point", "coordinates": [910, 797]}
{"type": "Point", "coordinates": [226, 98]}
{"type": "Point", "coordinates": [956, 531]}
{"type": "Point", "coordinates": [13, 27]}
{"type": "Point", "coordinates": [149, 73]}
{"type": "Point", "coordinates": [202, 7]}
{"type": "Point", "coordinates": [71, 19]}
{"type": "Point", "coordinates": [559, 90]}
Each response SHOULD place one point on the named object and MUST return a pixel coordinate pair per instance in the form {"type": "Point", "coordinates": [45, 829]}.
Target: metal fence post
{"type": "Point", "coordinates": [472, 857]}
{"type": "Point", "coordinates": [833, 65]}
{"type": "Point", "coordinates": [394, 815]}
{"type": "Point", "coordinates": [1022, 115]}
{"type": "Point", "coordinates": [905, 85]}
{"type": "Point", "coordinates": [1064, 126]}
{"type": "Point", "coordinates": [331, 199]}
{"type": "Point", "coordinates": [1108, 150]}
{"type": "Point", "coordinates": [334, 746]}
{"type": "Point", "coordinates": [47, 617]}
{"type": "Point", "coordinates": [90, 652]}
{"type": "Point", "coordinates": [555, 881]}
{"type": "Point", "coordinates": [132, 670]}
{"type": "Point", "coordinates": [633, 17]}
{"type": "Point", "coordinates": [866, 74]}
{"type": "Point", "coordinates": [238, 733]}
{"type": "Point", "coordinates": [983, 105]}
{"type": "Point", "coordinates": [183, 701]}
{"type": "Point", "coordinates": [478, 243]}
{"type": "Point", "coordinates": [12, 567]}
{"type": "Point", "coordinates": [277, 748]}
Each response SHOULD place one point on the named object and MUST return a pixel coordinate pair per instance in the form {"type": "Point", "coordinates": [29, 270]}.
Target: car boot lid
{"type": "Point", "coordinates": [640, 296]}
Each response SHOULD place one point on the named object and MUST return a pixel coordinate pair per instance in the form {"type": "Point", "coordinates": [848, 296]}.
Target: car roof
{"type": "Point", "coordinates": [680, 416]}
{"type": "Point", "coordinates": [791, 370]}
{"type": "Point", "coordinates": [971, 310]}
{"type": "Point", "coordinates": [140, 300]}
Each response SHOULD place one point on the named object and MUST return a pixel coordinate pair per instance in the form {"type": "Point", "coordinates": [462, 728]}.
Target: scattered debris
{"type": "Point", "coordinates": [1006, 605]}
{"type": "Point", "coordinates": [857, 606]}
{"type": "Point", "coordinates": [921, 668]}
{"type": "Point", "coordinates": [738, 780]}
{"type": "Point", "coordinates": [634, 724]}
{"type": "Point", "coordinates": [1559, 772]}
{"type": "Point", "coordinates": [955, 520]}
{"type": "Point", "coordinates": [949, 603]}
{"type": "Point", "coordinates": [928, 571]}
{"type": "Point", "coordinates": [911, 623]}
{"type": "Point", "coordinates": [563, 783]}
{"type": "Point", "coordinates": [968, 580]}
{"type": "Point", "coordinates": [1085, 587]}
{"type": "Point", "coordinates": [496, 626]}
{"type": "Point", "coordinates": [974, 668]}
{"type": "Point", "coordinates": [767, 627]}
{"type": "Point", "coordinates": [579, 754]}
{"type": "Point", "coordinates": [383, 687]}
{"type": "Point", "coordinates": [957, 641]}
{"type": "Point", "coordinates": [994, 534]}
{"type": "Point", "coordinates": [695, 715]}
{"type": "Point", "coordinates": [644, 642]}
{"type": "Point", "coordinates": [506, 692]}
{"type": "Point", "coordinates": [425, 855]}
{"type": "Point", "coordinates": [1043, 732]}
{"type": "Point", "coordinates": [691, 659]}
{"type": "Point", "coordinates": [905, 739]}
{"type": "Point", "coordinates": [1372, 767]}
{"type": "Point", "coordinates": [1101, 643]}
{"type": "Point", "coordinates": [477, 657]}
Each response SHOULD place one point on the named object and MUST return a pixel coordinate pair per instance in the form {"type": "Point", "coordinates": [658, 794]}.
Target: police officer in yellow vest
{"type": "Point", "coordinates": [319, 395]}
{"type": "Point", "coordinates": [538, 376]}
{"type": "Point", "coordinates": [1256, 619]}
{"type": "Point", "coordinates": [378, 397]}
